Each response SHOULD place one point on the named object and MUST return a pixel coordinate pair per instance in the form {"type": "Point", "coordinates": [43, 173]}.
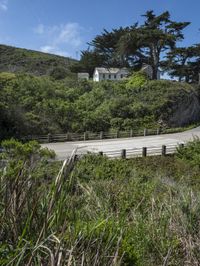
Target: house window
{"type": "Point", "coordinates": [122, 76]}
{"type": "Point", "coordinates": [109, 76]}
{"type": "Point", "coordinates": [103, 76]}
{"type": "Point", "coordinates": [115, 76]}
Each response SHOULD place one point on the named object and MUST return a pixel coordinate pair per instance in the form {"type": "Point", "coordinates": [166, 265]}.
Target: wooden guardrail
{"type": "Point", "coordinates": [142, 152]}
{"type": "Point", "coordinates": [94, 135]}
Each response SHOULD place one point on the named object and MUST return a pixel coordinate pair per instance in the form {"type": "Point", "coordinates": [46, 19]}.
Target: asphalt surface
{"type": "Point", "coordinates": [64, 149]}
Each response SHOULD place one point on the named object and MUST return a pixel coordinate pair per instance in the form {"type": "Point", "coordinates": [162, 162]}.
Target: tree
{"type": "Point", "coordinates": [184, 63]}
{"type": "Point", "coordinates": [157, 35]}
{"type": "Point", "coordinates": [138, 44]}
{"type": "Point", "coordinates": [106, 45]}
{"type": "Point", "coordinates": [89, 60]}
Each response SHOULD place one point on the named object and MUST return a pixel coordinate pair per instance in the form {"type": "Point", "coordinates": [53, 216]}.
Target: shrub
{"type": "Point", "coordinates": [137, 80]}
{"type": "Point", "coordinates": [58, 73]}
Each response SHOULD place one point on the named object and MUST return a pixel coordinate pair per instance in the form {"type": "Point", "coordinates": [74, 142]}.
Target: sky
{"type": "Point", "coordinates": [64, 27]}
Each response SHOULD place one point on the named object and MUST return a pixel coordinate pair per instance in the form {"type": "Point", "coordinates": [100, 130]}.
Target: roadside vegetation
{"type": "Point", "coordinates": [40, 105]}
{"type": "Point", "coordinates": [97, 211]}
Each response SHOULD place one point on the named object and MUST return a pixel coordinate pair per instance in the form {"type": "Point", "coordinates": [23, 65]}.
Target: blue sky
{"type": "Point", "coordinates": [65, 26]}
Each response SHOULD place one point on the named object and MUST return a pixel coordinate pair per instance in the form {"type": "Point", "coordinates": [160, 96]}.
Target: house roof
{"type": "Point", "coordinates": [145, 67]}
{"type": "Point", "coordinates": [111, 70]}
{"type": "Point", "coordinates": [83, 74]}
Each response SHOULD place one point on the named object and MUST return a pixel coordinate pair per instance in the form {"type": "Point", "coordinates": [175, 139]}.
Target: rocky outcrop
{"type": "Point", "coordinates": [185, 110]}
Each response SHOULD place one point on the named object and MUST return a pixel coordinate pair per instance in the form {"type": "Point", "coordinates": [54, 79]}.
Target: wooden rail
{"type": "Point", "coordinates": [96, 135]}
{"type": "Point", "coordinates": [141, 152]}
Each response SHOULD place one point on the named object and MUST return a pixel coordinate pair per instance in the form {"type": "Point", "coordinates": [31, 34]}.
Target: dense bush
{"type": "Point", "coordinates": [58, 73]}
{"type": "Point", "coordinates": [111, 212]}
{"type": "Point", "coordinates": [137, 80]}
{"type": "Point", "coordinates": [39, 105]}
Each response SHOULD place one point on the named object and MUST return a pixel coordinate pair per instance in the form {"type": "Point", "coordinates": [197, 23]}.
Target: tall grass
{"type": "Point", "coordinates": [97, 211]}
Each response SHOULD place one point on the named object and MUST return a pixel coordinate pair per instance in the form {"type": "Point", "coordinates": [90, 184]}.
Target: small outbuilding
{"type": "Point", "coordinates": [83, 76]}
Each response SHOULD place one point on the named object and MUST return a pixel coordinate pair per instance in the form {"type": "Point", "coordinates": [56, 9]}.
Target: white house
{"type": "Point", "coordinates": [102, 73]}
{"type": "Point", "coordinates": [149, 71]}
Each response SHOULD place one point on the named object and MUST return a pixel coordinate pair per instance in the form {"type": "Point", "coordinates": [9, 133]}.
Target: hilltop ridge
{"type": "Point", "coordinates": [20, 60]}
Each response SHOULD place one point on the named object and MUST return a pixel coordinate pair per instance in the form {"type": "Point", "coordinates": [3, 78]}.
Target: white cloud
{"type": "Point", "coordinates": [4, 5]}
{"type": "Point", "coordinates": [47, 49]}
{"type": "Point", "coordinates": [62, 39]}
{"type": "Point", "coordinates": [53, 50]}
{"type": "Point", "coordinates": [70, 33]}
{"type": "Point", "coordinates": [39, 29]}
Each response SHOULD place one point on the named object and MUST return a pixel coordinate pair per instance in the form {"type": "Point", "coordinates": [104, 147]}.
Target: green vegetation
{"type": "Point", "coordinates": [38, 105]}
{"type": "Point", "coordinates": [137, 80]}
{"type": "Point", "coordinates": [99, 211]}
{"type": "Point", "coordinates": [19, 60]}
{"type": "Point", "coordinates": [40, 94]}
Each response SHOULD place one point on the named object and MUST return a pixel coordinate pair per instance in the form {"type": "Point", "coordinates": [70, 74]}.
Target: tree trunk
{"type": "Point", "coordinates": [155, 72]}
{"type": "Point", "coordinates": [155, 60]}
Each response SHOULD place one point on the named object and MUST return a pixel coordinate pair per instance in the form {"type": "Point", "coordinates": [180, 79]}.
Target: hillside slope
{"type": "Point", "coordinates": [39, 105]}
{"type": "Point", "coordinates": [19, 60]}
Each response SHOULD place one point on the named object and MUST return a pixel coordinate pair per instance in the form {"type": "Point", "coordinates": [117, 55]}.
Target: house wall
{"type": "Point", "coordinates": [119, 76]}
{"type": "Point", "coordinates": [158, 75]}
{"type": "Point", "coordinates": [96, 76]}
{"type": "Point", "coordinates": [149, 71]}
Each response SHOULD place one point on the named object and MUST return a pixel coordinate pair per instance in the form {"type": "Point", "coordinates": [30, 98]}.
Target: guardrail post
{"type": "Point", "coordinates": [144, 152]}
{"type": "Point", "coordinates": [145, 132]}
{"type": "Point", "coordinates": [123, 154]}
{"type": "Point", "coordinates": [131, 133]}
{"type": "Point", "coordinates": [101, 135]}
{"type": "Point", "coordinates": [85, 136]}
{"type": "Point", "coordinates": [68, 136]}
{"type": "Point", "coordinates": [49, 137]}
{"type": "Point", "coordinates": [101, 153]}
{"type": "Point", "coordinates": [164, 150]}
{"type": "Point", "coordinates": [181, 145]}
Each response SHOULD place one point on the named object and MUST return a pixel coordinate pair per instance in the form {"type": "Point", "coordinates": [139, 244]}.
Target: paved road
{"type": "Point", "coordinates": [64, 149]}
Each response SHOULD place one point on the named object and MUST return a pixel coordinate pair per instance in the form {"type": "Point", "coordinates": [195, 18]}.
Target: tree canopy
{"type": "Point", "coordinates": [135, 45]}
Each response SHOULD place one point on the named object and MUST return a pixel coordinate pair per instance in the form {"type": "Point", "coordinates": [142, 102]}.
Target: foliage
{"type": "Point", "coordinates": [191, 152]}
{"type": "Point", "coordinates": [41, 105]}
{"type": "Point", "coordinates": [137, 44]}
{"type": "Point", "coordinates": [111, 212]}
{"type": "Point", "coordinates": [183, 62]}
{"type": "Point", "coordinates": [58, 73]}
{"type": "Point", "coordinates": [137, 80]}
{"type": "Point", "coordinates": [89, 60]}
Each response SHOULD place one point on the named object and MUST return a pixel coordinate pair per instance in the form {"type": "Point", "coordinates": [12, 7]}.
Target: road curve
{"type": "Point", "coordinates": [64, 149]}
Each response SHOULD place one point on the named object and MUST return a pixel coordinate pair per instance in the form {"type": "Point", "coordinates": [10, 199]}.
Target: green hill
{"type": "Point", "coordinates": [20, 60]}
{"type": "Point", "coordinates": [39, 105]}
